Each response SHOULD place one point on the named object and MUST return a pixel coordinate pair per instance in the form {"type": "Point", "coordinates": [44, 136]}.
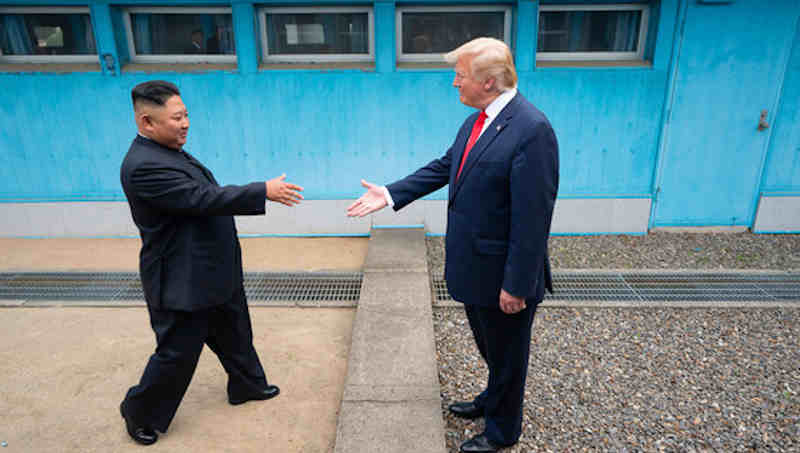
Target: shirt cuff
{"type": "Point", "coordinates": [387, 196]}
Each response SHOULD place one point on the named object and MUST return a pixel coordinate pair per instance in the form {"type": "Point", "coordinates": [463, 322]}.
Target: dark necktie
{"type": "Point", "coordinates": [473, 137]}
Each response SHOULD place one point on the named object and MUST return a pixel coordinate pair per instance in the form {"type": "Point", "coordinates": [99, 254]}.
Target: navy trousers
{"type": "Point", "coordinates": [504, 343]}
{"type": "Point", "coordinates": [180, 337]}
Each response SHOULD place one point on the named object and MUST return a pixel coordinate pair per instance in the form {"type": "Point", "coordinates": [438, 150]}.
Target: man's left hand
{"type": "Point", "coordinates": [511, 304]}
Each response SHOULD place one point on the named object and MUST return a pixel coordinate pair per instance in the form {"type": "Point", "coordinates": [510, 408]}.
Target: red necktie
{"type": "Point", "coordinates": [473, 137]}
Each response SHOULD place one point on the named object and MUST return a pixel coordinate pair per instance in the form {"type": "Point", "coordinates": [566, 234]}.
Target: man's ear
{"type": "Point", "coordinates": [146, 120]}
{"type": "Point", "coordinates": [490, 84]}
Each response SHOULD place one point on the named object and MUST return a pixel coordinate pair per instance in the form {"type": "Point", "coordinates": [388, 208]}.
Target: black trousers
{"type": "Point", "coordinates": [504, 343]}
{"type": "Point", "coordinates": [180, 336]}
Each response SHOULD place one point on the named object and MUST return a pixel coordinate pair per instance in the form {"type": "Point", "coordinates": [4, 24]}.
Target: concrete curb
{"type": "Point", "coordinates": [648, 305]}
{"type": "Point", "coordinates": [391, 400]}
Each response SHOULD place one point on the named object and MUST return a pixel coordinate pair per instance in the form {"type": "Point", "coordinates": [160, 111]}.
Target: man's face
{"type": "Point", "coordinates": [168, 124]}
{"type": "Point", "coordinates": [472, 92]}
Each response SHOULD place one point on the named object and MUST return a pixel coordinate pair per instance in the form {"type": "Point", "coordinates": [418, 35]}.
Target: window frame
{"type": "Point", "coordinates": [174, 58]}
{"type": "Point", "coordinates": [311, 58]}
{"type": "Point", "coordinates": [641, 42]}
{"type": "Point", "coordinates": [39, 59]}
{"type": "Point", "coordinates": [403, 57]}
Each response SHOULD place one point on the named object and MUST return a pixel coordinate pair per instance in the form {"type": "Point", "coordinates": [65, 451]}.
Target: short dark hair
{"type": "Point", "coordinates": [154, 92]}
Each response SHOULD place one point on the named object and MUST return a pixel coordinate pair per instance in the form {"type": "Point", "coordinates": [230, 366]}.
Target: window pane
{"type": "Point", "coordinates": [589, 31]}
{"type": "Point", "coordinates": [193, 34]}
{"type": "Point", "coordinates": [46, 34]}
{"type": "Point", "coordinates": [443, 32]}
{"type": "Point", "coordinates": [324, 33]}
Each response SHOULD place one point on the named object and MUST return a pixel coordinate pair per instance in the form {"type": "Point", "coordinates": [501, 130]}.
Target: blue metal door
{"type": "Point", "coordinates": [731, 62]}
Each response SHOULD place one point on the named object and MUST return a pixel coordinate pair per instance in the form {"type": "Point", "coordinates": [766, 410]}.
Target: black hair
{"type": "Point", "coordinates": [154, 92]}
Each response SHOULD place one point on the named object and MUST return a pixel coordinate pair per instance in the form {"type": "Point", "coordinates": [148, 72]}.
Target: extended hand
{"type": "Point", "coordinates": [283, 192]}
{"type": "Point", "coordinates": [370, 202]}
{"type": "Point", "coordinates": [510, 304]}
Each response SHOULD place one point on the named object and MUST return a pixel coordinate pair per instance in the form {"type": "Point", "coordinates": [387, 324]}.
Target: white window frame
{"type": "Point", "coordinates": [403, 57]}
{"type": "Point", "coordinates": [641, 42]}
{"type": "Point", "coordinates": [89, 58]}
{"type": "Point", "coordinates": [172, 58]}
{"type": "Point", "coordinates": [317, 58]}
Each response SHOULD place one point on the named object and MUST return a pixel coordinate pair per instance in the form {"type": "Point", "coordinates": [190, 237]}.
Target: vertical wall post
{"type": "Point", "coordinates": [384, 35]}
{"type": "Point", "coordinates": [244, 32]}
{"type": "Point", "coordinates": [527, 25]}
{"type": "Point", "coordinates": [671, 15]}
{"type": "Point", "coordinates": [104, 38]}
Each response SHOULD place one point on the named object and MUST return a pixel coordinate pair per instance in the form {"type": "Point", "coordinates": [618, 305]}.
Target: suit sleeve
{"type": "Point", "coordinates": [174, 191]}
{"type": "Point", "coordinates": [533, 188]}
{"type": "Point", "coordinates": [427, 179]}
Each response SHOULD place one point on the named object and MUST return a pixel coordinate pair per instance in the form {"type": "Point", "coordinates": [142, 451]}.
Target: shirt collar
{"type": "Point", "coordinates": [499, 103]}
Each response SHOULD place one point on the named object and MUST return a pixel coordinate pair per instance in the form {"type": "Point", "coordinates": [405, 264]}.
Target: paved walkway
{"type": "Point", "coordinates": [391, 400]}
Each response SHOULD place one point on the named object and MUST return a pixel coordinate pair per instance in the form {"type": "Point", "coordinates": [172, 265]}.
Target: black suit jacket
{"type": "Point", "coordinates": [190, 258]}
{"type": "Point", "coordinates": [499, 210]}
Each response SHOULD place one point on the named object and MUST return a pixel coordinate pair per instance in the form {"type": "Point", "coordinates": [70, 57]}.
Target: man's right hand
{"type": "Point", "coordinates": [373, 200]}
{"type": "Point", "coordinates": [283, 192]}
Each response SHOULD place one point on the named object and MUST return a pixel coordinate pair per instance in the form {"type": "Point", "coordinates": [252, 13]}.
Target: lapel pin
{"type": "Point", "coordinates": [499, 127]}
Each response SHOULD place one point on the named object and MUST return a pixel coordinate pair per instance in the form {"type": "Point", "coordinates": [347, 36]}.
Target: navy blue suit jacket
{"type": "Point", "coordinates": [500, 208]}
{"type": "Point", "coordinates": [190, 258]}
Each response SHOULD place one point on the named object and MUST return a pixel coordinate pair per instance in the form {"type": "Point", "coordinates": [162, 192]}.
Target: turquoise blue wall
{"type": "Point", "coordinates": [782, 174]}
{"type": "Point", "coordinates": [63, 136]}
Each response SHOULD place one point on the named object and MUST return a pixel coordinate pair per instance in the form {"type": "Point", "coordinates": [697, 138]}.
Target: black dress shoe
{"type": "Point", "coordinates": [466, 409]}
{"type": "Point", "coordinates": [479, 444]}
{"type": "Point", "coordinates": [140, 434]}
{"type": "Point", "coordinates": [270, 392]}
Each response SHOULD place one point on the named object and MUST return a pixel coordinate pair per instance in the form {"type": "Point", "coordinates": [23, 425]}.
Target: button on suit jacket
{"type": "Point", "coordinates": [190, 258]}
{"type": "Point", "coordinates": [499, 210]}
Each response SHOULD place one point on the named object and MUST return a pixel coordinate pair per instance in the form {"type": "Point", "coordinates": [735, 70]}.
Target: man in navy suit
{"type": "Point", "coordinates": [502, 172]}
{"type": "Point", "coordinates": [190, 263]}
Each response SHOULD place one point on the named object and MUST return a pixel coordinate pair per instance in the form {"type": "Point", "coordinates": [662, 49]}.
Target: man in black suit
{"type": "Point", "coordinates": [502, 172]}
{"type": "Point", "coordinates": [190, 263]}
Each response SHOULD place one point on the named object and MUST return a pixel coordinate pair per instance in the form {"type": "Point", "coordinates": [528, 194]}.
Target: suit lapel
{"type": "Point", "coordinates": [202, 168]}
{"type": "Point", "coordinates": [181, 156]}
{"type": "Point", "coordinates": [479, 149]}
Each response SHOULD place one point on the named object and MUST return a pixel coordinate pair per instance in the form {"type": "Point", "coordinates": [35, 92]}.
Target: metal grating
{"type": "Point", "coordinates": [663, 287]}
{"type": "Point", "coordinates": [259, 286]}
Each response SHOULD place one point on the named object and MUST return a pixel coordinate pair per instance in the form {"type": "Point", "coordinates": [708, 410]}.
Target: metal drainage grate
{"type": "Point", "coordinates": [663, 287]}
{"type": "Point", "coordinates": [118, 286]}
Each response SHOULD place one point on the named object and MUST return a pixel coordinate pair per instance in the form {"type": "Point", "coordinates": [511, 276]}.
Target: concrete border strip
{"type": "Point", "coordinates": [647, 305]}
{"type": "Point", "coordinates": [391, 400]}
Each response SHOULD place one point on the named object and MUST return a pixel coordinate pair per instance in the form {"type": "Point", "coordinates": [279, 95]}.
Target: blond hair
{"type": "Point", "coordinates": [490, 58]}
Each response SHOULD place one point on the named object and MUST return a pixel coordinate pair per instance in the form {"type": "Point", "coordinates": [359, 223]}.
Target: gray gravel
{"type": "Point", "coordinates": [663, 251]}
{"type": "Point", "coordinates": [652, 379]}
{"type": "Point", "coordinates": [642, 380]}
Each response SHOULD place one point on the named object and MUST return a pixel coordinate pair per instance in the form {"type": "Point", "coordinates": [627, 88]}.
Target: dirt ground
{"type": "Point", "coordinates": [64, 370]}
{"type": "Point", "coordinates": [122, 254]}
